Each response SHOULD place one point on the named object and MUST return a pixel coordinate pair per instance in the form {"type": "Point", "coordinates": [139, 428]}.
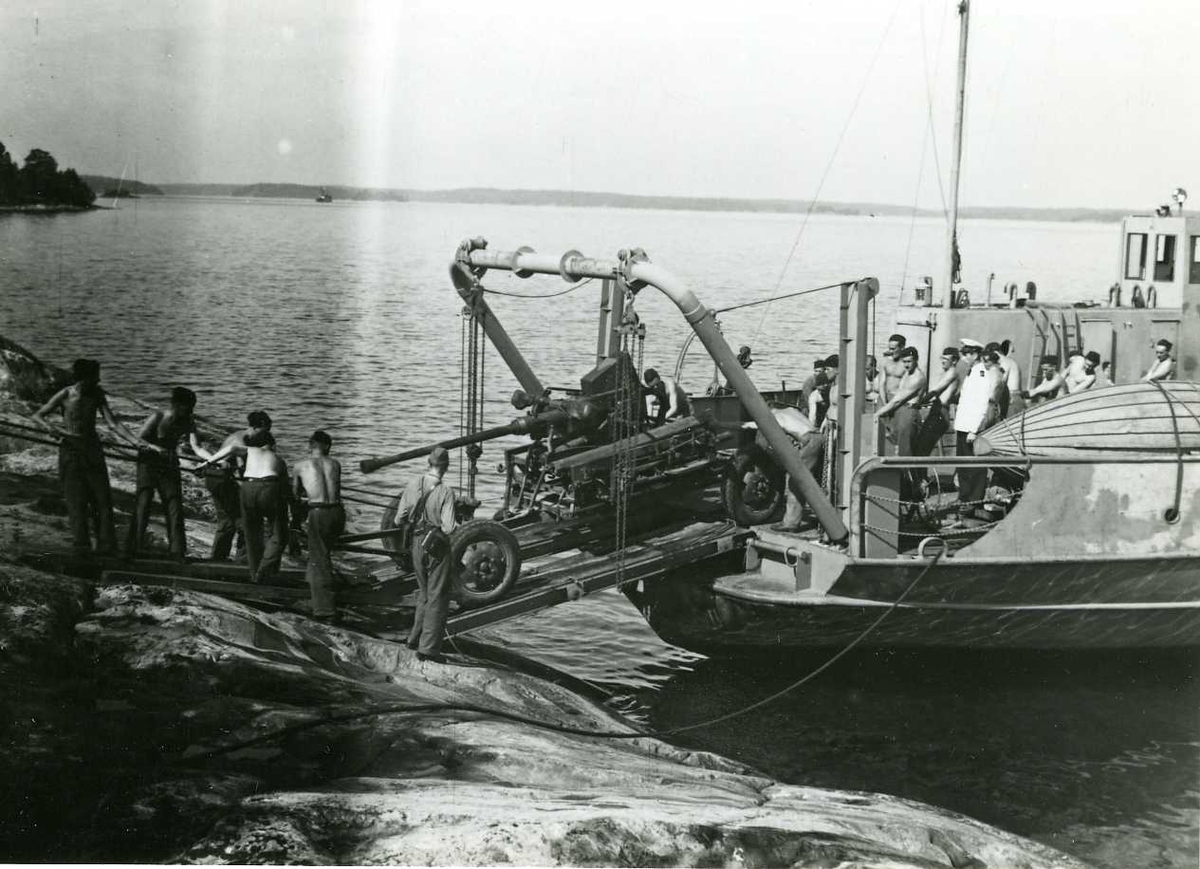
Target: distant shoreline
{"type": "Point", "coordinates": [47, 209]}
{"type": "Point", "coordinates": [595, 199]}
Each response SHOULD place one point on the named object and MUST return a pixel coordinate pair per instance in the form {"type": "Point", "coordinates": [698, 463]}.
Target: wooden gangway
{"type": "Point", "coordinates": [547, 580]}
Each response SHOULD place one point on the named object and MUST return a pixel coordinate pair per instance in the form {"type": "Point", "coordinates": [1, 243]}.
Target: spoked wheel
{"type": "Point", "coordinates": [754, 488]}
{"type": "Point", "coordinates": [485, 558]}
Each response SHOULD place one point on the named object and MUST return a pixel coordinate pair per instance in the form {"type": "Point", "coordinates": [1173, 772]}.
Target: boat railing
{"type": "Point", "coordinates": [905, 505]}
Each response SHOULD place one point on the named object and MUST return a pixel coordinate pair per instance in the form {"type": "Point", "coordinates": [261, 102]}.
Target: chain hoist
{"type": "Point", "coordinates": [626, 414]}
{"type": "Point", "coordinates": [471, 391]}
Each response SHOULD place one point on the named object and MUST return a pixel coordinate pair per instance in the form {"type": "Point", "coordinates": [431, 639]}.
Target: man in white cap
{"type": "Point", "coordinates": [975, 399]}
{"type": "Point", "coordinates": [429, 502]}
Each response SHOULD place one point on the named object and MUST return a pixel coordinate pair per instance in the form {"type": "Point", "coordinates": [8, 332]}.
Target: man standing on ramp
{"type": "Point", "coordinates": [428, 503]}
{"type": "Point", "coordinates": [320, 479]}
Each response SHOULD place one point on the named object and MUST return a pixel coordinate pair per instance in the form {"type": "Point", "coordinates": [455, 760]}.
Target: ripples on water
{"type": "Point", "coordinates": [342, 317]}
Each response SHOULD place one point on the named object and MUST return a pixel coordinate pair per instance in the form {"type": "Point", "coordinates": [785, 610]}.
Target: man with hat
{"type": "Point", "coordinates": [319, 479]}
{"type": "Point", "coordinates": [969, 353]}
{"type": "Point", "coordinates": [976, 408]}
{"type": "Point", "coordinates": [428, 501]}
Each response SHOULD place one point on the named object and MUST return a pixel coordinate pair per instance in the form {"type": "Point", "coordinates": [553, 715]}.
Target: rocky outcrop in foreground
{"type": "Point", "coordinates": [112, 704]}
{"type": "Point", "coordinates": [117, 705]}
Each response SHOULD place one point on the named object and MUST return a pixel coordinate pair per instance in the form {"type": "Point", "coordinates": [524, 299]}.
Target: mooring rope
{"type": "Point", "coordinates": [412, 708]}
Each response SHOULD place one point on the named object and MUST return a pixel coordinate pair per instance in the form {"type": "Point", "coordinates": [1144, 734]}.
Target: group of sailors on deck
{"type": "Point", "coordinates": [978, 385]}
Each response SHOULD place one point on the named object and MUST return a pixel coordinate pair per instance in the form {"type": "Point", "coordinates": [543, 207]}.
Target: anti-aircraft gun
{"type": "Point", "coordinates": [592, 449]}
{"type": "Point", "coordinates": [577, 445]}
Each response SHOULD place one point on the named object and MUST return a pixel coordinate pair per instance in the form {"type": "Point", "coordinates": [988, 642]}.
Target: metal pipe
{"type": "Point", "coordinates": [705, 325]}
{"type": "Point", "coordinates": [574, 266]}
{"type": "Point", "coordinates": [473, 296]}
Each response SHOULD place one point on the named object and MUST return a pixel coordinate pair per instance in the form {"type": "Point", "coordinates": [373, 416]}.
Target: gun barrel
{"type": "Point", "coordinates": [524, 425]}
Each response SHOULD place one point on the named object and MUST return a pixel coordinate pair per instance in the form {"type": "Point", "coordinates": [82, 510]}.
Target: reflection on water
{"type": "Point", "coordinates": [341, 316]}
{"type": "Point", "coordinates": [1094, 754]}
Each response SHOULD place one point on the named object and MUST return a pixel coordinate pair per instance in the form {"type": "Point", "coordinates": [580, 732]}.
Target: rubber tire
{"type": "Point", "coordinates": [763, 509]}
{"type": "Point", "coordinates": [475, 533]}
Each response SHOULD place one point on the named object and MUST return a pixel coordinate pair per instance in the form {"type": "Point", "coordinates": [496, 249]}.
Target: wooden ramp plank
{"type": "Point", "coordinates": [580, 576]}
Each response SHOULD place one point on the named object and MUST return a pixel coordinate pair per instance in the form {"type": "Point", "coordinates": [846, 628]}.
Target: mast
{"type": "Point", "coordinates": [960, 94]}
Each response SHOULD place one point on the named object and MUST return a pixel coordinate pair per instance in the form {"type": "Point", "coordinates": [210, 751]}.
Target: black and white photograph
{"type": "Point", "coordinates": [600, 434]}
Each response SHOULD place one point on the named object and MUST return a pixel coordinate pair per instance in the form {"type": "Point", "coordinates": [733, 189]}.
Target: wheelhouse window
{"type": "Point", "coordinates": [1135, 256]}
{"type": "Point", "coordinates": [1194, 270]}
{"type": "Point", "coordinates": [1164, 258]}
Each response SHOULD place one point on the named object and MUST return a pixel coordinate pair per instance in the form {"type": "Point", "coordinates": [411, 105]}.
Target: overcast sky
{"type": "Point", "coordinates": [1070, 102]}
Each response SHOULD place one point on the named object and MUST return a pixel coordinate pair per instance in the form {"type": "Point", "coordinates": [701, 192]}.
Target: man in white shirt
{"type": "Point", "coordinates": [1164, 366]}
{"type": "Point", "coordinates": [978, 393]}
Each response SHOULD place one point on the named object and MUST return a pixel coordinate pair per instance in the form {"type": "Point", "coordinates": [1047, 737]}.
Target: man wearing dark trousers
{"type": "Point", "coordinates": [81, 466]}
{"type": "Point", "coordinates": [429, 502]}
{"type": "Point", "coordinates": [319, 478]}
{"type": "Point", "coordinates": [158, 471]}
{"type": "Point", "coordinates": [221, 480]}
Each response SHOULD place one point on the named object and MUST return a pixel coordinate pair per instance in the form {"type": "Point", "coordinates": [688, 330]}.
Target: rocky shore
{"type": "Point", "coordinates": [144, 724]}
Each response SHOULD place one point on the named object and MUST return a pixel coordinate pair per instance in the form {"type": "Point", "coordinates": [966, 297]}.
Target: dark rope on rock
{"type": "Point", "coordinates": [413, 708]}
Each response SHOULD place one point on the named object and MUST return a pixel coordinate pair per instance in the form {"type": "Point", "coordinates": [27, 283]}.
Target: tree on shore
{"type": "Point", "coordinates": [8, 177]}
{"type": "Point", "coordinates": [39, 182]}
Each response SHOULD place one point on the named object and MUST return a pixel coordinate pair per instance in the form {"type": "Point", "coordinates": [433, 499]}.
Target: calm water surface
{"type": "Point", "coordinates": [342, 317]}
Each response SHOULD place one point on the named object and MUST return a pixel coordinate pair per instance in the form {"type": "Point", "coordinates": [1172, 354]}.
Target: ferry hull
{"type": "Point", "coordinates": [1084, 604]}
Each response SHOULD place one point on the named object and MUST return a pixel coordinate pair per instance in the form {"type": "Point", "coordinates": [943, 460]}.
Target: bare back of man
{"type": "Point", "coordinates": [261, 462]}
{"type": "Point", "coordinates": [321, 477]}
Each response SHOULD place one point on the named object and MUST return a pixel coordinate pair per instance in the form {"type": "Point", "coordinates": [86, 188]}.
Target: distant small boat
{"type": "Point", "coordinates": [1137, 417]}
{"type": "Point", "coordinates": [325, 196]}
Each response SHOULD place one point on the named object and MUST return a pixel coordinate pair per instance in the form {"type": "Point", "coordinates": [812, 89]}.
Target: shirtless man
{"type": "Point", "coordinates": [158, 471]}
{"type": "Point", "coordinates": [1082, 375]}
{"type": "Point", "coordinates": [319, 478]}
{"type": "Point", "coordinates": [1012, 378]}
{"type": "Point", "coordinates": [672, 400]}
{"type": "Point", "coordinates": [81, 466]}
{"type": "Point", "coordinates": [1164, 366]}
{"type": "Point", "coordinates": [1050, 384]}
{"type": "Point", "coordinates": [941, 394]}
{"type": "Point", "coordinates": [902, 406]}
{"type": "Point", "coordinates": [893, 366]}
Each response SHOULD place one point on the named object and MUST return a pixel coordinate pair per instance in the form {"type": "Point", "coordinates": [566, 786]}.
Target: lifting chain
{"type": "Point", "coordinates": [624, 429]}
{"type": "Point", "coordinates": [471, 392]}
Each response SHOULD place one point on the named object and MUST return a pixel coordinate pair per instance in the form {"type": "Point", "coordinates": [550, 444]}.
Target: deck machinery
{"type": "Point", "coordinates": [595, 464]}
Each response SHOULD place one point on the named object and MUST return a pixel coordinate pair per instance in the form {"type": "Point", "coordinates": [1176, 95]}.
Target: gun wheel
{"type": "Point", "coordinates": [754, 488]}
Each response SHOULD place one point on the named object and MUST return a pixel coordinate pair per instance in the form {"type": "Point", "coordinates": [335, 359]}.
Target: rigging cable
{"type": "Point", "coordinates": [828, 166]}
{"type": "Point", "coordinates": [569, 289]}
{"type": "Point", "coordinates": [406, 708]}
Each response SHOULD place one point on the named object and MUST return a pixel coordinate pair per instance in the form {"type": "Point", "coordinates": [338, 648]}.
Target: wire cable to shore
{"type": "Point", "coordinates": [413, 708]}
{"type": "Point", "coordinates": [770, 299]}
